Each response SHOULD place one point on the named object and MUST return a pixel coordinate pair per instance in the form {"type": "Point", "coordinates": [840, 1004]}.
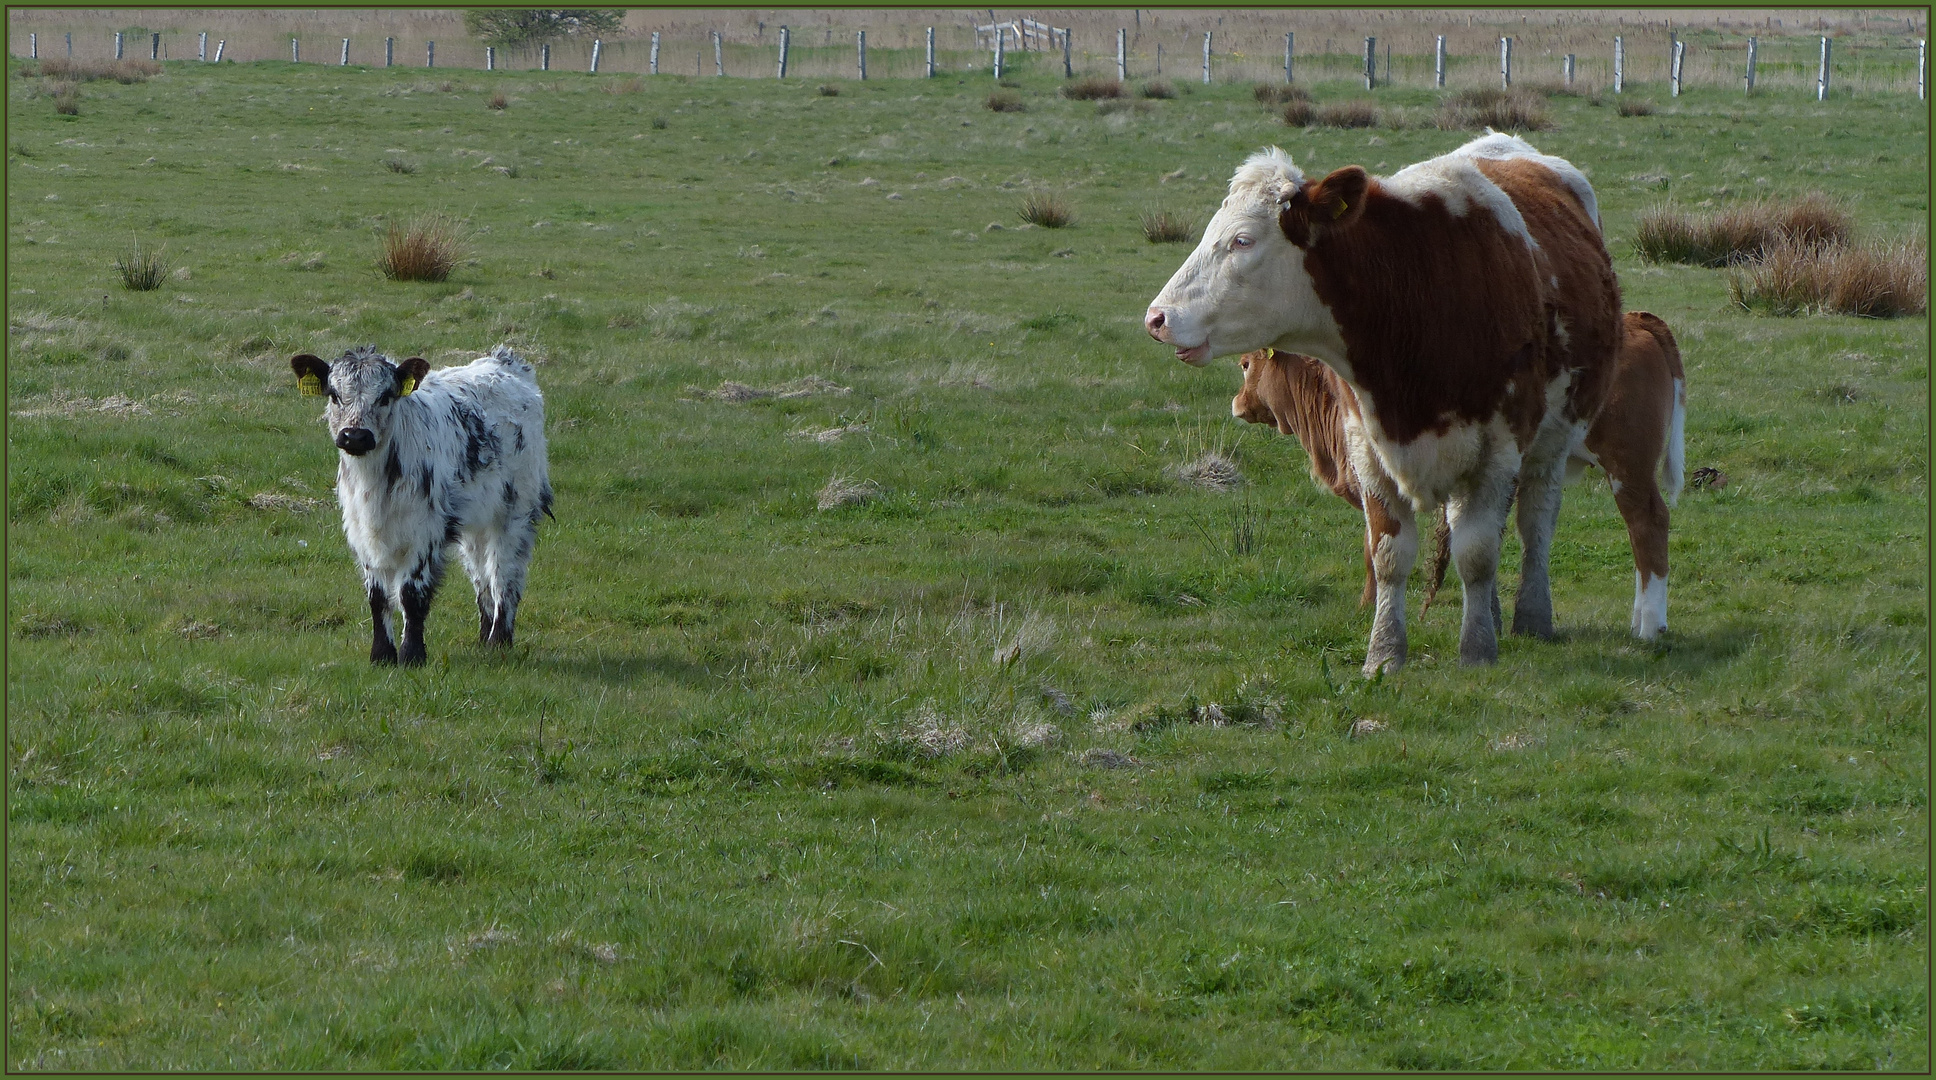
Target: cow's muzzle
{"type": "Point", "coordinates": [355, 441]}
{"type": "Point", "coordinates": [1157, 322]}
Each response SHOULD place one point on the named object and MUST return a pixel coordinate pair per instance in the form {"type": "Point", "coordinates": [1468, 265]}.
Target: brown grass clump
{"type": "Point", "coordinates": [847, 491]}
{"type": "Point", "coordinates": [1279, 93]}
{"type": "Point", "coordinates": [124, 72]}
{"type": "Point", "coordinates": [1210, 471]}
{"type": "Point", "coordinates": [1164, 227]}
{"type": "Point", "coordinates": [67, 99]}
{"type": "Point", "coordinates": [1300, 113]}
{"type": "Point", "coordinates": [829, 90]}
{"type": "Point", "coordinates": [1091, 88]}
{"type": "Point", "coordinates": [625, 86]}
{"type": "Point", "coordinates": [399, 165]}
{"type": "Point", "coordinates": [425, 249]}
{"type": "Point", "coordinates": [1006, 101]}
{"type": "Point", "coordinates": [498, 102]}
{"type": "Point", "coordinates": [1742, 231]}
{"type": "Point", "coordinates": [142, 271]}
{"type": "Point", "coordinates": [1634, 107]}
{"type": "Point", "coordinates": [1347, 114]}
{"type": "Point", "coordinates": [1159, 89]}
{"type": "Point", "coordinates": [1046, 209]}
{"type": "Point", "coordinates": [1503, 110]}
{"type": "Point", "coordinates": [1792, 277]}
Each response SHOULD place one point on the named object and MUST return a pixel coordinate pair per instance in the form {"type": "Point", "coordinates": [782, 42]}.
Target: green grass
{"type": "Point", "coordinates": [768, 787]}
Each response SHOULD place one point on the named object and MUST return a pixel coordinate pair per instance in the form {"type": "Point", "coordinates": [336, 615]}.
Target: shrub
{"type": "Point", "coordinates": [1091, 88]}
{"type": "Point", "coordinates": [1634, 107]}
{"type": "Point", "coordinates": [1742, 231]}
{"type": "Point", "coordinates": [426, 249]}
{"type": "Point", "coordinates": [1006, 101]}
{"type": "Point", "coordinates": [829, 90]}
{"type": "Point", "coordinates": [67, 99]}
{"type": "Point", "coordinates": [1793, 277]}
{"type": "Point", "coordinates": [1160, 89]}
{"type": "Point", "coordinates": [1046, 209]}
{"type": "Point", "coordinates": [498, 102]}
{"type": "Point", "coordinates": [1505, 110]}
{"type": "Point", "coordinates": [658, 123]}
{"type": "Point", "coordinates": [1348, 114]}
{"type": "Point", "coordinates": [1279, 93]}
{"type": "Point", "coordinates": [121, 71]}
{"type": "Point", "coordinates": [142, 271]}
{"type": "Point", "coordinates": [398, 165]}
{"type": "Point", "coordinates": [1300, 113]}
{"type": "Point", "coordinates": [1164, 227]}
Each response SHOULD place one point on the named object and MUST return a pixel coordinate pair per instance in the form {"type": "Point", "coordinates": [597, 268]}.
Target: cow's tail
{"type": "Point", "coordinates": [1441, 558]}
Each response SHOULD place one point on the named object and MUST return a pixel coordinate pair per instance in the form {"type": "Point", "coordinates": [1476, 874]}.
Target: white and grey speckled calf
{"type": "Point", "coordinates": [430, 459]}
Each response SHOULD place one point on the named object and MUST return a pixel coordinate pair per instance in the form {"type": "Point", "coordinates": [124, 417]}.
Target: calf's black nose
{"type": "Point", "coordinates": [355, 441]}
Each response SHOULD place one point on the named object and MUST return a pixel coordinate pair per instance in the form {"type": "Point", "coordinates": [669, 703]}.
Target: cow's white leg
{"type": "Point", "coordinates": [1393, 536]}
{"type": "Point", "coordinates": [1539, 513]}
{"type": "Point", "coordinates": [1477, 520]}
{"type": "Point", "coordinates": [477, 565]}
{"type": "Point", "coordinates": [510, 558]}
{"type": "Point", "coordinates": [1640, 503]}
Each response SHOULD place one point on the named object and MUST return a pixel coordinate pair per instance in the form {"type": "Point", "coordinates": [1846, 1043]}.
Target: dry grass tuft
{"type": "Point", "coordinates": [1791, 277]}
{"type": "Point", "coordinates": [1279, 93]}
{"type": "Point", "coordinates": [1634, 107]}
{"type": "Point", "coordinates": [1211, 471]}
{"type": "Point", "coordinates": [1742, 231]}
{"type": "Point", "coordinates": [67, 99]}
{"type": "Point", "coordinates": [847, 491]}
{"type": "Point", "coordinates": [498, 102]}
{"type": "Point", "coordinates": [1503, 110]}
{"type": "Point", "coordinates": [1046, 209]}
{"type": "Point", "coordinates": [1006, 101]}
{"type": "Point", "coordinates": [829, 90]}
{"type": "Point", "coordinates": [1300, 113]}
{"type": "Point", "coordinates": [1164, 227]}
{"type": "Point", "coordinates": [1347, 114]}
{"type": "Point", "coordinates": [398, 165]}
{"type": "Point", "coordinates": [1092, 88]}
{"type": "Point", "coordinates": [425, 249]}
{"type": "Point", "coordinates": [142, 271]}
{"type": "Point", "coordinates": [125, 72]}
{"type": "Point", "coordinates": [1159, 89]}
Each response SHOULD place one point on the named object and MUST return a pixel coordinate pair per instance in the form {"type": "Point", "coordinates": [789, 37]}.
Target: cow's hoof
{"type": "Point", "coordinates": [1389, 664]}
{"type": "Point", "coordinates": [1533, 625]}
{"type": "Point", "coordinates": [1479, 657]}
{"type": "Point", "coordinates": [411, 659]}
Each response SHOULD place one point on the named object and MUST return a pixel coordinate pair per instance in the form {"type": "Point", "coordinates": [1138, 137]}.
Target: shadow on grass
{"type": "Point", "coordinates": [1690, 653]}
{"type": "Point", "coordinates": [628, 669]}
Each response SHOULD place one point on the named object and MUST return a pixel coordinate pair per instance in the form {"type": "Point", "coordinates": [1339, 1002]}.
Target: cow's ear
{"type": "Point", "coordinates": [1339, 198]}
{"type": "Point", "coordinates": [410, 373]}
{"type": "Point", "coordinates": [311, 374]}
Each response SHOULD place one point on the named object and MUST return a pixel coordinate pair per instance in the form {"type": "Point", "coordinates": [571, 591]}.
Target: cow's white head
{"type": "Point", "coordinates": [1245, 286]}
{"type": "Point", "coordinates": [363, 387]}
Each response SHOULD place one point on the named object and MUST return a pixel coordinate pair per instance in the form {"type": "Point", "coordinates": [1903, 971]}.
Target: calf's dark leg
{"type": "Point", "coordinates": [382, 649]}
{"type": "Point", "coordinates": [416, 608]}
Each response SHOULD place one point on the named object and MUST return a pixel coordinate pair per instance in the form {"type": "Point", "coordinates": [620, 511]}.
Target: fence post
{"type": "Point", "coordinates": [1569, 70]}
{"type": "Point", "coordinates": [1505, 63]}
{"type": "Point", "coordinates": [389, 52]}
{"type": "Point", "coordinates": [154, 47]}
{"type": "Point", "coordinates": [1206, 58]}
{"type": "Point", "coordinates": [201, 53]}
{"type": "Point", "coordinates": [1388, 67]}
{"type": "Point", "coordinates": [1068, 70]}
{"type": "Point", "coordinates": [930, 68]}
{"type": "Point", "coordinates": [860, 51]}
{"type": "Point", "coordinates": [1753, 46]}
{"type": "Point", "coordinates": [1371, 62]}
{"type": "Point", "coordinates": [295, 50]}
{"type": "Point", "coordinates": [346, 53]}
{"type": "Point", "coordinates": [490, 58]}
{"type": "Point", "coordinates": [70, 46]}
{"type": "Point", "coordinates": [1122, 55]}
{"type": "Point", "coordinates": [785, 35]}
{"type": "Point", "coordinates": [719, 59]}
{"type": "Point", "coordinates": [1290, 40]}
{"type": "Point", "coordinates": [1001, 40]}
{"type": "Point", "coordinates": [1922, 70]}
{"type": "Point", "coordinates": [219, 46]}
{"type": "Point", "coordinates": [1821, 79]}
{"type": "Point", "coordinates": [1438, 63]}
{"type": "Point", "coordinates": [33, 46]}
{"type": "Point", "coordinates": [117, 44]}
{"type": "Point", "coordinates": [1619, 64]}
{"type": "Point", "coordinates": [1680, 51]}
{"type": "Point", "coordinates": [430, 54]}
{"type": "Point", "coordinates": [544, 57]}
{"type": "Point", "coordinates": [655, 52]}
{"type": "Point", "coordinates": [597, 45]}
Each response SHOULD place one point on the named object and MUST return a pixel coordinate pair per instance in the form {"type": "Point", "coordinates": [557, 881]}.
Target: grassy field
{"type": "Point", "coordinates": [765, 786]}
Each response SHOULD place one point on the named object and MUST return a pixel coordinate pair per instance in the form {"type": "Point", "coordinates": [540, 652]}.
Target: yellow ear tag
{"type": "Point", "coordinates": [310, 385]}
{"type": "Point", "coordinates": [408, 385]}
{"type": "Point", "coordinates": [1339, 212]}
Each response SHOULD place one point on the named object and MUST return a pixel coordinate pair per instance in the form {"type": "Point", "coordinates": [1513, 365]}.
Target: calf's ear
{"type": "Point", "coordinates": [311, 374]}
{"type": "Point", "coordinates": [410, 373]}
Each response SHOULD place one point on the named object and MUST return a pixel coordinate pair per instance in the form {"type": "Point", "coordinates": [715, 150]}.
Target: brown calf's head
{"type": "Point", "coordinates": [363, 387]}
{"type": "Point", "coordinates": [1252, 404]}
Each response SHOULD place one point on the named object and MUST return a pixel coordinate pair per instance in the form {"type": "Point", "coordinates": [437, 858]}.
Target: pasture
{"type": "Point", "coordinates": [932, 779]}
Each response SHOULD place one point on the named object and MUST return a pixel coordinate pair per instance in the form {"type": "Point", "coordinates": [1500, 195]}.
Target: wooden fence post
{"type": "Point", "coordinates": [346, 53]}
{"type": "Point", "coordinates": [295, 51]}
{"type": "Point", "coordinates": [1122, 55]}
{"type": "Point", "coordinates": [860, 48]}
{"type": "Point", "coordinates": [1290, 40]}
{"type": "Point", "coordinates": [655, 52]}
{"type": "Point", "coordinates": [154, 47]}
{"type": "Point", "coordinates": [33, 46]}
{"type": "Point", "coordinates": [1619, 64]}
{"type": "Point", "coordinates": [1505, 63]}
{"type": "Point", "coordinates": [70, 46]}
{"type": "Point", "coordinates": [1922, 70]}
{"type": "Point", "coordinates": [201, 52]}
{"type": "Point", "coordinates": [1206, 58]}
{"type": "Point", "coordinates": [930, 52]}
{"type": "Point", "coordinates": [1001, 42]}
{"type": "Point", "coordinates": [1753, 46]}
{"type": "Point", "coordinates": [1569, 70]}
{"type": "Point", "coordinates": [389, 52]}
{"type": "Point", "coordinates": [1371, 62]}
{"type": "Point", "coordinates": [1068, 70]}
{"type": "Point", "coordinates": [786, 36]}
{"type": "Point", "coordinates": [117, 44]}
{"type": "Point", "coordinates": [1821, 78]}
{"type": "Point", "coordinates": [430, 54]}
{"type": "Point", "coordinates": [597, 45]}
{"type": "Point", "coordinates": [544, 57]}
{"type": "Point", "coordinates": [490, 58]}
{"type": "Point", "coordinates": [719, 58]}
{"type": "Point", "coordinates": [219, 46]}
{"type": "Point", "coordinates": [1438, 64]}
{"type": "Point", "coordinates": [1680, 52]}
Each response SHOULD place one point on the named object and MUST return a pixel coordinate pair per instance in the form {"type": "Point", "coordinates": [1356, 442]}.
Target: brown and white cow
{"type": "Point", "coordinates": [1637, 440]}
{"type": "Point", "coordinates": [1468, 302]}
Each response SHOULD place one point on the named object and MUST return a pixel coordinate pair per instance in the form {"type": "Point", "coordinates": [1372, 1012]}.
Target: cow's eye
{"type": "Point", "coordinates": [1240, 242]}
{"type": "Point", "coordinates": [385, 398]}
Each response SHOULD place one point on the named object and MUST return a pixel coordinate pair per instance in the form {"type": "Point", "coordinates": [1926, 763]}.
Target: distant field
{"type": "Point", "coordinates": [932, 781]}
{"type": "Point", "coordinates": [1875, 49]}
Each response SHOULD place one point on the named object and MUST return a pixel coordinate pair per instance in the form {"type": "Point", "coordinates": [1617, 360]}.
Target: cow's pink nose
{"type": "Point", "coordinates": [1153, 322]}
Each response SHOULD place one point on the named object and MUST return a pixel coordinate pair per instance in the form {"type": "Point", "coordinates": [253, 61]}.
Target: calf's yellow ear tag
{"type": "Point", "coordinates": [1339, 212]}
{"type": "Point", "coordinates": [310, 385]}
{"type": "Point", "coordinates": [408, 385]}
